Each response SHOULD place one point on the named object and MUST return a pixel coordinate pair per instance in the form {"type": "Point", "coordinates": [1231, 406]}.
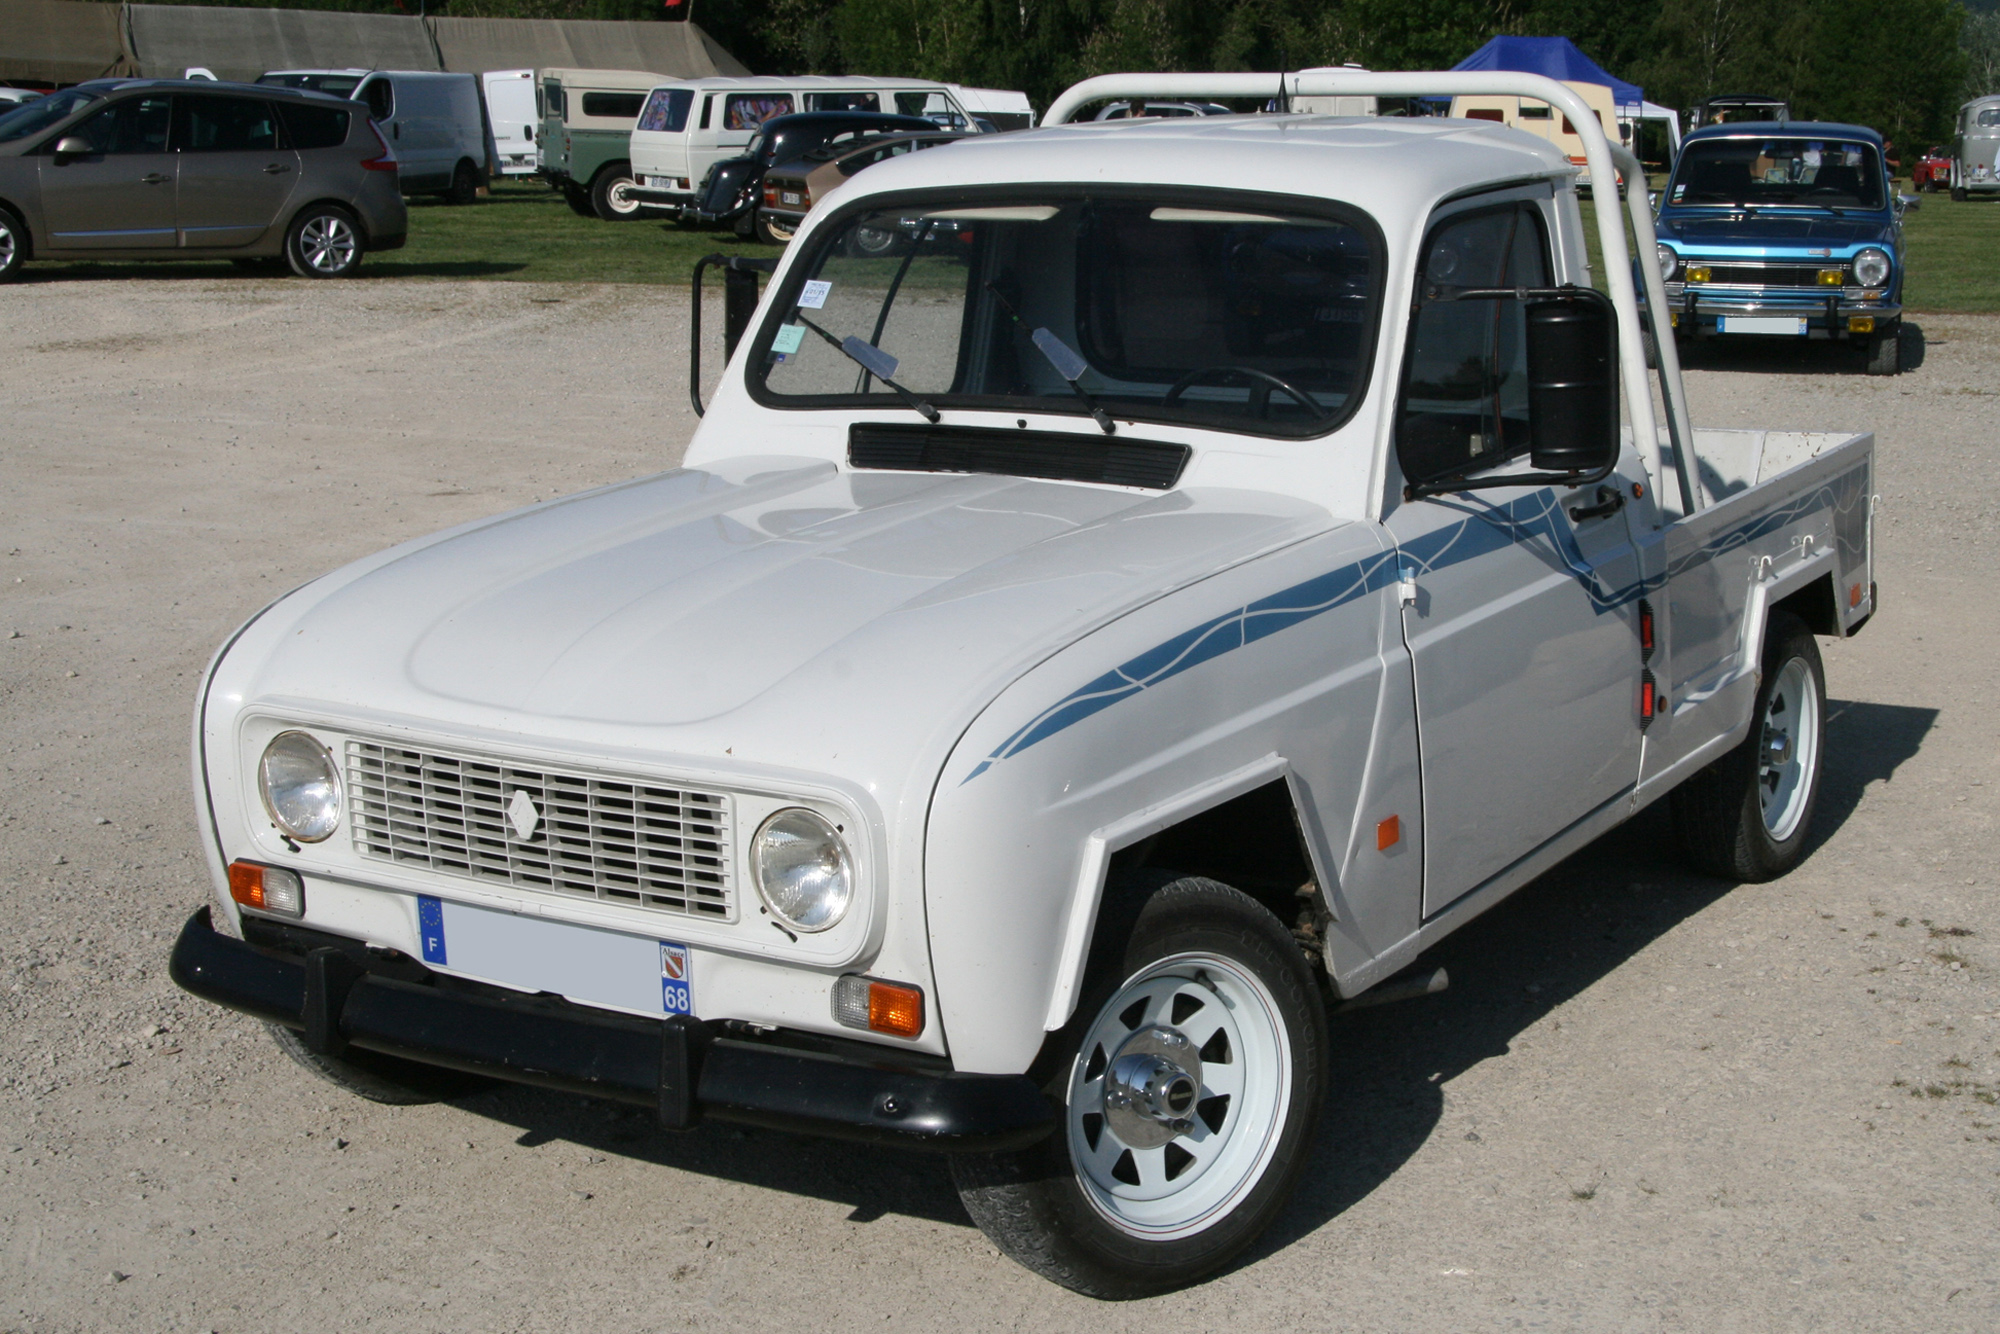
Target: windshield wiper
{"type": "Point", "coordinates": [1068, 362]}
{"type": "Point", "coordinates": [875, 361]}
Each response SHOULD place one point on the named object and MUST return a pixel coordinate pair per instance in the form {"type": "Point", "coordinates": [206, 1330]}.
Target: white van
{"type": "Point", "coordinates": [689, 125]}
{"type": "Point", "coordinates": [510, 110]}
{"type": "Point", "coordinates": [435, 122]}
{"type": "Point", "coordinates": [1002, 108]}
{"type": "Point", "coordinates": [1538, 118]}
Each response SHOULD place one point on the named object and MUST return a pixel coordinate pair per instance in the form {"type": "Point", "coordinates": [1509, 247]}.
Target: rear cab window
{"type": "Point", "coordinates": [613, 106]}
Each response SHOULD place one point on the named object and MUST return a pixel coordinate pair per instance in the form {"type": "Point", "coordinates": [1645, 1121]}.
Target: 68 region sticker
{"type": "Point", "coordinates": [676, 987]}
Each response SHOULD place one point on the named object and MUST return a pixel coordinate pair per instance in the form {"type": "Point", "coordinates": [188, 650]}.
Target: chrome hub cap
{"type": "Point", "coordinates": [1178, 1095]}
{"type": "Point", "coordinates": [1789, 750]}
{"type": "Point", "coordinates": [328, 244]}
{"type": "Point", "coordinates": [7, 244]}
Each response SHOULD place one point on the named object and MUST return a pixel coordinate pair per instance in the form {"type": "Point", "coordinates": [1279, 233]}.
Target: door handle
{"type": "Point", "coordinates": [277, 168]}
{"type": "Point", "coordinates": [153, 178]}
{"type": "Point", "coordinates": [1609, 501]}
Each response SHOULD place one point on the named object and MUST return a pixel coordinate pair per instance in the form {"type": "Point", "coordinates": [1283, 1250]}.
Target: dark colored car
{"type": "Point", "coordinates": [791, 188]}
{"type": "Point", "coordinates": [734, 187]}
{"type": "Point", "coordinates": [1785, 229]}
{"type": "Point", "coordinates": [1732, 108]}
{"type": "Point", "coordinates": [181, 169]}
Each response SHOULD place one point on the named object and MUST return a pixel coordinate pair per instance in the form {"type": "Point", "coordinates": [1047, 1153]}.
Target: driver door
{"type": "Point", "coordinates": [1523, 628]}
{"type": "Point", "coordinates": [120, 196]}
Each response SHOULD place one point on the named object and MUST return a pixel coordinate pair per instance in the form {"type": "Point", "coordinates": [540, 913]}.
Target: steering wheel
{"type": "Point", "coordinates": [1261, 385]}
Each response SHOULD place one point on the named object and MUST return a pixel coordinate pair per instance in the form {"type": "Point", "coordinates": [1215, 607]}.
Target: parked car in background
{"type": "Point", "coordinates": [13, 97]}
{"type": "Point", "coordinates": [1932, 171]}
{"type": "Point", "coordinates": [435, 122]}
{"type": "Point", "coordinates": [995, 109]}
{"type": "Point", "coordinates": [791, 188]}
{"type": "Point", "coordinates": [510, 112]}
{"type": "Point", "coordinates": [177, 169]}
{"type": "Point", "coordinates": [1153, 109]}
{"type": "Point", "coordinates": [1975, 149]}
{"type": "Point", "coordinates": [1785, 230]}
{"type": "Point", "coordinates": [733, 190]}
{"type": "Point", "coordinates": [689, 125]}
{"type": "Point", "coordinates": [1543, 121]}
{"type": "Point", "coordinates": [1735, 108]}
{"type": "Point", "coordinates": [586, 136]}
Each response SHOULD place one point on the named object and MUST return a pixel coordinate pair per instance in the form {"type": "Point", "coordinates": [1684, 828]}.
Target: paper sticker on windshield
{"type": "Point", "coordinates": [813, 295]}
{"type": "Point", "coordinates": [788, 339]}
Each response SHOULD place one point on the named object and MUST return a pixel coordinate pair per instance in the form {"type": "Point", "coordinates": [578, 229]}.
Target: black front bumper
{"type": "Point", "coordinates": [339, 994]}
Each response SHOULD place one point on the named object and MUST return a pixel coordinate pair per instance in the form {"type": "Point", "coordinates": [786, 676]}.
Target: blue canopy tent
{"type": "Point", "coordinates": [1556, 57]}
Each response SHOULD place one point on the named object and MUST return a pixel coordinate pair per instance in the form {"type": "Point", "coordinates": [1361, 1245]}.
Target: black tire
{"type": "Point", "coordinates": [775, 233]}
{"type": "Point", "coordinates": [13, 246]}
{"type": "Point", "coordinates": [578, 200]}
{"type": "Point", "coordinates": [1885, 351]}
{"type": "Point", "coordinates": [1037, 1204]}
{"type": "Point", "coordinates": [464, 188]}
{"type": "Point", "coordinates": [324, 241]}
{"type": "Point", "coordinates": [875, 242]}
{"type": "Point", "coordinates": [378, 1078]}
{"type": "Point", "coordinates": [607, 194]}
{"type": "Point", "coordinates": [1958, 194]}
{"type": "Point", "coordinates": [1720, 813]}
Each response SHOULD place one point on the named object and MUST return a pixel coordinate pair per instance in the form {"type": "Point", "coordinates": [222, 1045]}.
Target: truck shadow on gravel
{"type": "Point", "coordinates": [1548, 943]}
{"type": "Point", "coordinates": [1791, 356]}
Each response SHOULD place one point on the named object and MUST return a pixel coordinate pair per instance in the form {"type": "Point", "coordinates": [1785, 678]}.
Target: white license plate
{"type": "Point", "coordinates": [641, 974]}
{"type": "Point", "coordinates": [787, 197]}
{"type": "Point", "coordinates": [1791, 326]}
{"type": "Point", "coordinates": [659, 182]}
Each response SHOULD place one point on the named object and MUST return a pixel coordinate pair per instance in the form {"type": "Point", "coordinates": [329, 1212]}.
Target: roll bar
{"type": "Point", "coordinates": [1600, 154]}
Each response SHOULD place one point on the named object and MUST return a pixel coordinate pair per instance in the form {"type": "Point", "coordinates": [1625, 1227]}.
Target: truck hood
{"type": "Point", "coordinates": [1780, 232]}
{"type": "Point", "coordinates": [775, 609]}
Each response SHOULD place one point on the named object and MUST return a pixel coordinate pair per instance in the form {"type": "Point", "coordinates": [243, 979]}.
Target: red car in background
{"type": "Point", "coordinates": [1933, 170]}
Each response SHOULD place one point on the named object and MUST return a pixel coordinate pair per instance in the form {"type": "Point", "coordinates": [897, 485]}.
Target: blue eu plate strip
{"type": "Point", "coordinates": [430, 929]}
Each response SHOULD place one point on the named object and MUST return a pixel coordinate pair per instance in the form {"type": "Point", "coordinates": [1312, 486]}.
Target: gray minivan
{"type": "Point", "coordinates": [436, 122]}
{"type": "Point", "coordinates": [183, 169]}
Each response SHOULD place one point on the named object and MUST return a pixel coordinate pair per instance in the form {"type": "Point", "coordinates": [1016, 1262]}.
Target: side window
{"type": "Point", "coordinates": [552, 98]}
{"type": "Point", "coordinates": [706, 104]}
{"type": "Point", "coordinates": [746, 111]}
{"type": "Point", "coordinates": [314, 127]}
{"type": "Point", "coordinates": [1465, 376]}
{"type": "Point", "coordinates": [613, 106]}
{"type": "Point", "coordinates": [843, 102]}
{"type": "Point", "coordinates": [667, 109]}
{"type": "Point", "coordinates": [381, 95]}
{"type": "Point", "coordinates": [226, 125]}
{"type": "Point", "coordinates": [136, 125]}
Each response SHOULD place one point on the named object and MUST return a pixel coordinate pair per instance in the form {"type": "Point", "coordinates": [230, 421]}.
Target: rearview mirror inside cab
{"type": "Point", "coordinates": [1573, 382]}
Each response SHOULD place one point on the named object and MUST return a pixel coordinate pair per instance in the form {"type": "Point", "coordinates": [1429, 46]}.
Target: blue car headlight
{"type": "Point", "coordinates": [1871, 267]}
{"type": "Point", "coordinates": [1667, 259]}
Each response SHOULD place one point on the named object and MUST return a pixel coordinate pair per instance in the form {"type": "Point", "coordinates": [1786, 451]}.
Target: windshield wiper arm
{"type": "Point", "coordinates": [875, 361]}
{"type": "Point", "coordinates": [1068, 362]}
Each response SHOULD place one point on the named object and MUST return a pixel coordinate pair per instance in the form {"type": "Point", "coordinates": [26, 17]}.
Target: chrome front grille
{"type": "Point", "coordinates": [640, 843]}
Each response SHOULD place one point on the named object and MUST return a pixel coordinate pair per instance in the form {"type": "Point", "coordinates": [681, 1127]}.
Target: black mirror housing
{"type": "Point", "coordinates": [1573, 382]}
{"type": "Point", "coordinates": [73, 145]}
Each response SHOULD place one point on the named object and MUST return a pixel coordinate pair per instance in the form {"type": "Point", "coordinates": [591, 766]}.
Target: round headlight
{"type": "Point", "coordinates": [301, 786]}
{"type": "Point", "coordinates": [802, 869]}
{"type": "Point", "coordinates": [1668, 261]}
{"type": "Point", "coordinates": [1871, 267]}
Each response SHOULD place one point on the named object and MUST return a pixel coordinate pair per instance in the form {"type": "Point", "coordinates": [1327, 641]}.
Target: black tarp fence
{"type": "Point", "coordinates": [67, 41]}
{"type": "Point", "coordinates": [60, 41]}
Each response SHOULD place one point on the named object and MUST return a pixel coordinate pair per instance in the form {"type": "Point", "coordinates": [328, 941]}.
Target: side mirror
{"type": "Point", "coordinates": [1573, 382]}
{"type": "Point", "coordinates": [1907, 202]}
{"type": "Point", "coordinates": [73, 146]}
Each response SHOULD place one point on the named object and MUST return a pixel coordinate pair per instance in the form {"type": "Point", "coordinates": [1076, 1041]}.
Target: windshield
{"type": "Point", "coordinates": [1777, 172]}
{"type": "Point", "coordinates": [1989, 116]}
{"type": "Point", "coordinates": [338, 85]}
{"type": "Point", "coordinates": [1210, 311]}
{"type": "Point", "coordinates": [31, 117]}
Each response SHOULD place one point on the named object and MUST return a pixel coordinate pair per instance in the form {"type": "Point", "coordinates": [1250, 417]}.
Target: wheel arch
{"type": "Point", "coordinates": [332, 201]}
{"type": "Point", "coordinates": [27, 231]}
{"type": "Point", "coordinates": [1813, 603]}
{"type": "Point", "coordinates": [614, 165]}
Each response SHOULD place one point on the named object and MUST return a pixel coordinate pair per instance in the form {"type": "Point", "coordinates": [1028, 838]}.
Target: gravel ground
{"type": "Point", "coordinates": [1649, 1101]}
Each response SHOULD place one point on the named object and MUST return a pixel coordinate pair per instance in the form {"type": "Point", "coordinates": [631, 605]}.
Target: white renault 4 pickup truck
{"type": "Point", "coordinates": [1136, 584]}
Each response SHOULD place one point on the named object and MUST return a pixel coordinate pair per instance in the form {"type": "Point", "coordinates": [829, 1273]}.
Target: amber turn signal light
{"type": "Point", "coordinates": [1388, 833]}
{"type": "Point", "coordinates": [267, 889]}
{"type": "Point", "coordinates": [1831, 277]}
{"type": "Point", "coordinates": [1861, 324]}
{"type": "Point", "coordinates": [894, 1008]}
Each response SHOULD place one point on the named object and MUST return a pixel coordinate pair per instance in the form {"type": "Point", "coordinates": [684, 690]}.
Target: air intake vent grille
{"type": "Point", "coordinates": [1059, 455]}
{"type": "Point", "coordinates": [636, 843]}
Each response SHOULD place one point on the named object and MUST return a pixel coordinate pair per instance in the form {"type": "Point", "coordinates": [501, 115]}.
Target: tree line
{"type": "Point", "coordinates": [1902, 66]}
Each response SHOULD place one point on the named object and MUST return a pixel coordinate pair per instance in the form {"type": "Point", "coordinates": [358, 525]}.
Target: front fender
{"type": "Point", "coordinates": [1273, 667]}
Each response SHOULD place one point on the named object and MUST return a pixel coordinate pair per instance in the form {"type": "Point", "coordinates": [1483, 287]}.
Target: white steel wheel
{"type": "Point", "coordinates": [324, 243]}
{"type": "Point", "coordinates": [1177, 1094]}
{"type": "Point", "coordinates": [1189, 1083]}
{"type": "Point", "coordinates": [1788, 748]}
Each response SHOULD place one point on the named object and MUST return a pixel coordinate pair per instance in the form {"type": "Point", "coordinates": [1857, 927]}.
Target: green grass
{"type": "Point", "coordinates": [526, 233]}
{"type": "Point", "coordinates": [1949, 249]}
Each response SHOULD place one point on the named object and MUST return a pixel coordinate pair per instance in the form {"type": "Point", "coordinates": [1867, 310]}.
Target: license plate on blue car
{"type": "Point", "coordinates": [1790, 326]}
